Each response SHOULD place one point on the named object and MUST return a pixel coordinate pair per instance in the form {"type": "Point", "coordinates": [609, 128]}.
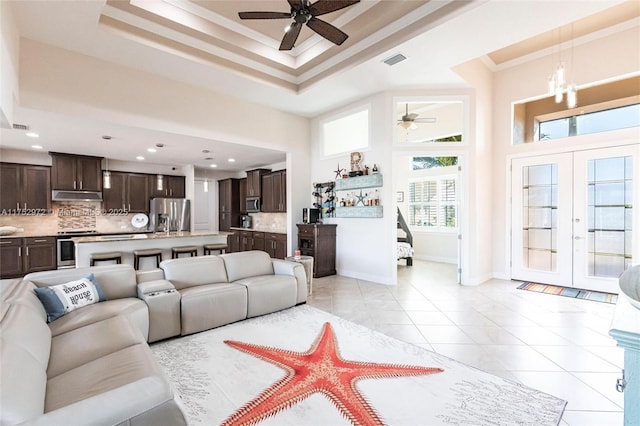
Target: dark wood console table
{"type": "Point", "coordinates": [319, 240]}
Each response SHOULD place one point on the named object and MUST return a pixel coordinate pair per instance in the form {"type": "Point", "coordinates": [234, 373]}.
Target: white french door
{"type": "Point", "coordinates": [573, 217]}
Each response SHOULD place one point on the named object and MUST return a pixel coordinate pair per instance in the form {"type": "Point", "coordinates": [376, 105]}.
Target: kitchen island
{"type": "Point", "coordinates": [126, 244]}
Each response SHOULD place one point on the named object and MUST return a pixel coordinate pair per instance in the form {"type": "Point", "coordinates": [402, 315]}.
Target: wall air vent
{"type": "Point", "coordinates": [20, 127]}
{"type": "Point", "coordinates": [394, 59]}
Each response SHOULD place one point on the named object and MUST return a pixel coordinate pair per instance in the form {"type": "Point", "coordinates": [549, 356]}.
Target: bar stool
{"type": "Point", "coordinates": [208, 248]}
{"type": "Point", "coordinates": [106, 256]}
{"type": "Point", "coordinates": [177, 251]}
{"type": "Point", "coordinates": [137, 254]}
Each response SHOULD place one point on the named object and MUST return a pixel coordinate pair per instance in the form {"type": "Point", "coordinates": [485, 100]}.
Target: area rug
{"type": "Point", "coordinates": [303, 366]}
{"type": "Point", "coordinates": [576, 293]}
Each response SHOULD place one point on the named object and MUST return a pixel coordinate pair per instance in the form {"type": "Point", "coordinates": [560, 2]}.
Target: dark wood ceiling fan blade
{"type": "Point", "coordinates": [290, 37]}
{"type": "Point", "coordinates": [327, 30]}
{"type": "Point", "coordinates": [327, 6]}
{"type": "Point", "coordinates": [296, 4]}
{"type": "Point", "coordinates": [264, 15]}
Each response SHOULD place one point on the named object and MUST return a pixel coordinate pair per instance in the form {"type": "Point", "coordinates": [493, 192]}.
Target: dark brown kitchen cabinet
{"type": "Point", "coordinates": [228, 204]}
{"type": "Point", "coordinates": [274, 192]}
{"type": "Point", "coordinates": [175, 186]}
{"type": "Point", "coordinates": [76, 172]}
{"type": "Point", "coordinates": [25, 187]}
{"type": "Point", "coordinates": [276, 245]}
{"type": "Point", "coordinates": [11, 264]}
{"type": "Point", "coordinates": [250, 240]}
{"type": "Point", "coordinates": [243, 194]}
{"type": "Point", "coordinates": [19, 256]}
{"type": "Point", "coordinates": [233, 242]}
{"type": "Point", "coordinates": [172, 186]}
{"type": "Point", "coordinates": [129, 192]}
{"type": "Point", "coordinates": [254, 182]}
{"type": "Point", "coordinates": [319, 241]}
{"type": "Point", "coordinates": [40, 254]}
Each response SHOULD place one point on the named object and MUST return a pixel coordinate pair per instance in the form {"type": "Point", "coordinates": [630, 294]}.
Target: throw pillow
{"type": "Point", "coordinates": [61, 299]}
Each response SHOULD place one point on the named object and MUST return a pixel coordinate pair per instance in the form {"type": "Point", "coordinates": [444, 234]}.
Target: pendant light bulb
{"type": "Point", "coordinates": [551, 83]}
{"type": "Point", "coordinates": [106, 179]}
{"type": "Point", "coordinates": [560, 75]}
{"type": "Point", "coordinates": [205, 186]}
{"type": "Point", "coordinates": [558, 95]}
{"type": "Point", "coordinates": [572, 96]}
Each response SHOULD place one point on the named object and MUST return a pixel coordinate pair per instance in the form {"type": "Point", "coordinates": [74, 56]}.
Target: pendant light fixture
{"type": "Point", "coordinates": [106, 174]}
{"type": "Point", "coordinates": [557, 80]}
{"type": "Point", "coordinates": [159, 183]}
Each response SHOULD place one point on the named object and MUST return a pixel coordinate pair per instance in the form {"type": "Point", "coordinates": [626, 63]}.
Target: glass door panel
{"type": "Point", "coordinates": [539, 238]}
{"type": "Point", "coordinates": [604, 219]}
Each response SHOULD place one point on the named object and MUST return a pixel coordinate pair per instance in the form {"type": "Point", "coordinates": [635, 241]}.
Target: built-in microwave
{"type": "Point", "coordinates": [252, 205]}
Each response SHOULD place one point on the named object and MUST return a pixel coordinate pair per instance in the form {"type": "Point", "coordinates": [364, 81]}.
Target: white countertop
{"type": "Point", "coordinates": [147, 236]}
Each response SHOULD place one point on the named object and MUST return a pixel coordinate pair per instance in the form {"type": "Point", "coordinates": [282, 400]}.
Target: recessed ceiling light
{"type": "Point", "coordinates": [151, 150]}
{"type": "Point", "coordinates": [139, 157]}
{"type": "Point", "coordinates": [205, 151]}
{"type": "Point", "coordinates": [213, 165]}
{"type": "Point", "coordinates": [231, 160]}
{"type": "Point", "coordinates": [106, 137]}
{"type": "Point", "coordinates": [36, 146]}
{"type": "Point", "coordinates": [32, 134]}
{"type": "Point", "coordinates": [159, 145]}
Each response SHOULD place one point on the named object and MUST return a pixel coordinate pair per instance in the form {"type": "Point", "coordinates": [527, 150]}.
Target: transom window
{"type": "Point", "coordinates": [346, 133]}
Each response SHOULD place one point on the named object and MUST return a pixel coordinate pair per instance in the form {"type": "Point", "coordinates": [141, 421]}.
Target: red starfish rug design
{"type": "Point", "coordinates": [320, 369]}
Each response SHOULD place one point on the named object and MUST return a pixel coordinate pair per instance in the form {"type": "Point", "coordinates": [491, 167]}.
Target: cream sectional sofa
{"type": "Point", "coordinates": [94, 366]}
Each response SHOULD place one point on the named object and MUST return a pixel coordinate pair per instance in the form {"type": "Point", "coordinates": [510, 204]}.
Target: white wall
{"type": "Point", "coordinates": [365, 248]}
{"type": "Point", "coordinates": [607, 58]}
{"type": "Point", "coordinates": [10, 59]}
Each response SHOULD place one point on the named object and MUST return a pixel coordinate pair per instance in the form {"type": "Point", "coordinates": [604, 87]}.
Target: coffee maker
{"type": "Point", "coordinates": [245, 220]}
{"type": "Point", "coordinates": [310, 215]}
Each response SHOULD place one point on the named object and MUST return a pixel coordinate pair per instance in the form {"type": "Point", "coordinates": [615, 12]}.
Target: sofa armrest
{"type": "Point", "coordinates": [157, 286]}
{"type": "Point", "coordinates": [284, 267]}
{"type": "Point", "coordinates": [149, 275]}
{"type": "Point", "coordinates": [154, 404]}
{"type": "Point", "coordinates": [163, 301]}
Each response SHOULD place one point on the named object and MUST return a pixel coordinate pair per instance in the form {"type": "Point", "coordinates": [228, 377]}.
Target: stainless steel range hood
{"type": "Point", "coordinates": [60, 195]}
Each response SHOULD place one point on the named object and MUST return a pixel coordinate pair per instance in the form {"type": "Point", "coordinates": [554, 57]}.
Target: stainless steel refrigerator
{"type": "Point", "coordinates": [171, 213]}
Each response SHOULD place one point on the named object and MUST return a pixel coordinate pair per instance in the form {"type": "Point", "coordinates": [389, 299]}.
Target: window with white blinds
{"type": "Point", "coordinates": [432, 203]}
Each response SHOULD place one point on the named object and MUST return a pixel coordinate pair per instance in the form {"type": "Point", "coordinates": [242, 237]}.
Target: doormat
{"type": "Point", "coordinates": [575, 293]}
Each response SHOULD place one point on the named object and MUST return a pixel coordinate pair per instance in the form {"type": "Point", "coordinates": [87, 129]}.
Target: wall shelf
{"type": "Point", "coordinates": [371, 212]}
{"type": "Point", "coordinates": [358, 182]}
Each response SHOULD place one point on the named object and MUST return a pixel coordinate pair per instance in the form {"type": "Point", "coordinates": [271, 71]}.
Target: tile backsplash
{"type": "Point", "coordinates": [66, 216]}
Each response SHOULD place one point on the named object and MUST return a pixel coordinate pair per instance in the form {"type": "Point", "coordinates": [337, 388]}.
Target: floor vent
{"type": "Point", "coordinates": [395, 59]}
{"type": "Point", "coordinates": [20, 126]}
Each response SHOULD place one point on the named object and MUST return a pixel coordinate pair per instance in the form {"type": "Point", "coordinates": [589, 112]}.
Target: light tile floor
{"type": "Point", "coordinates": [555, 344]}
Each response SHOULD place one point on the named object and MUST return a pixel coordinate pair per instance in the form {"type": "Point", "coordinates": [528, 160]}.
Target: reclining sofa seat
{"type": "Point", "coordinates": [220, 289]}
{"type": "Point", "coordinates": [85, 368]}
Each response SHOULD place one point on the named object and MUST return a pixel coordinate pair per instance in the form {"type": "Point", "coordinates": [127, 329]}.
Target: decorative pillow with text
{"type": "Point", "coordinates": [61, 299]}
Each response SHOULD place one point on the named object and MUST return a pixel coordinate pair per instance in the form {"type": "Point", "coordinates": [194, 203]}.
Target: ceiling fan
{"type": "Point", "coordinates": [408, 121]}
{"type": "Point", "coordinates": [303, 12]}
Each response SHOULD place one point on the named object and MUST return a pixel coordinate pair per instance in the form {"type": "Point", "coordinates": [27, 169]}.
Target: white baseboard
{"type": "Point", "coordinates": [437, 259]}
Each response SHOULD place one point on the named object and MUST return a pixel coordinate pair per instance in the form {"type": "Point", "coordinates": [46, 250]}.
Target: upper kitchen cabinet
{"type": "Point", "coordinates": [76, 173]}
{"type": "Point", "coordinates": [25, 187]}
{"type": "Point", "coordinates": [254, 182]}
{"type": "Point", "coordinates": [172, 186]}
{"type": "Point", "coordinates": [274, 198]}
{"type": "Point", "coordinates": [129, 192]}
